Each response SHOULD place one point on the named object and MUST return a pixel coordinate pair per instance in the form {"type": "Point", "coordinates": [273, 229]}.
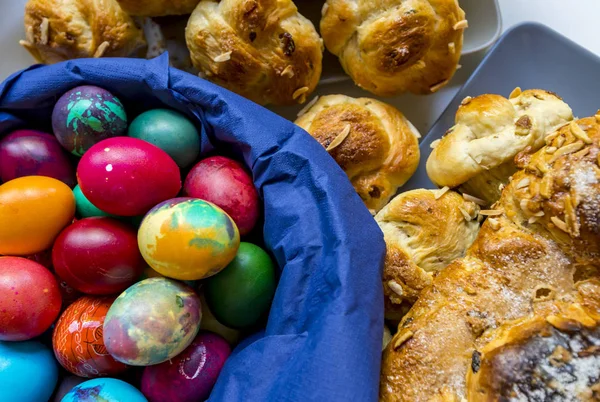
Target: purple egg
{"type": "Point", "coordinates": [86, 115]}
{"type": "Point", "coordinates": [33, 153]}
{"type": "Point", "coordinates": [191, 375]}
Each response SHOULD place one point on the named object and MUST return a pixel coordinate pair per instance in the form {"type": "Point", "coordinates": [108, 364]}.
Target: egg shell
{"type": "Point", "coordinates": [78, 341]}
{"type": "Point", "coordinates": [66, 385]}
{"type": "Point", "coordinates": [241, 294]}
{"type": "Point", "coordinates": [191, 375]}
{"type": "Point", "coordinates": [29, 299]}
{"type": "Point", "coordinates": [227, 184]}
{"type": "Point", "coordinates": [127, 176]}
{"type": "Point", "coordinates": [28, 372]}
{"type": "Point", "coordinates": [104, 390]}
{"type": "Point", "coordinates": [33, 211]}
{"type": "Point", "coordinates": [151, 322]}
{"type": "Point", "coordinates": [169, 130]}
{"type": "Point", "coordinates": [188, 239]}
{"type": "Point", "coordinates": [86, 115]}
{"type": "Point", "coordinates": [33, 153]}
{"type": "Point", "coordinates": [83, 206]}
{"type": "Point", "coordinates": [98, 256]}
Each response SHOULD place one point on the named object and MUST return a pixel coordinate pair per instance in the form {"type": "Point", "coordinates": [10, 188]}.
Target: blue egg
{"type": "Point", "coordinates": [104, 390]}
{"type": "Point", "coordinates": [28, 372]}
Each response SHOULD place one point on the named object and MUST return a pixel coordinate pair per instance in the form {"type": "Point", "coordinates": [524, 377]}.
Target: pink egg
{"type": "Point", "coordinates": [126, 176]}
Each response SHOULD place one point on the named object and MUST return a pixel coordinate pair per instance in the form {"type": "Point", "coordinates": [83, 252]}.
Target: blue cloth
{"type": "Point", "coordinates": [323, 337]}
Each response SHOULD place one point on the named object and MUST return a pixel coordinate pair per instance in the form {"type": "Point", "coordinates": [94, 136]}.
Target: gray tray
{"type": "Point", "coordinates": [529, 56]}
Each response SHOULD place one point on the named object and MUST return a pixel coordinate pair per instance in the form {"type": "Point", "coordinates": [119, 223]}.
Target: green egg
{"type": "Point", "coordinates": [85, 209]}
{"type": "Point", "coordinates": [169, 130]}
{"type": "Point", "coordinates": [240, 294]}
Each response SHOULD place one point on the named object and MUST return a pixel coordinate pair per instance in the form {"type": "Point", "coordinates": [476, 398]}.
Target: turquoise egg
{"type": "Point", "coordinates": [28, 372]}
{"type": "Point", "coordinates": [85, 209]}
{"type": "Point", "coordinates": [169, 130]}
{"type": "Point", "coordinates": [104, 390]}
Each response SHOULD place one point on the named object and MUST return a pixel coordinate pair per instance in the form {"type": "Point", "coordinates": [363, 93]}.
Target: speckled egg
{"type": "Point", "coordinates": [86, 115]}
{"type": "Point", "coordinates": [104, 390]}
{"type": "Point", "coordinates": [188, 239]}
{"type": "Point", "coordinates": [33, 153]}
{"type": "Point", "coordinates": [78, 341]}
{"type": "Point", "coordinates": [191, 375]}
{"type": "Point", "coordinates": [33, 211]}
{"type": "Point", "coordinates": [152, 322]}
{"type": "Point", "coordinates": [127, 176]}
{"type": "Point", "coordinates": [83, 206]}
{"type": "Point", "coordinates": [28, 372]}
{"type": "Point", "coordinates": [169, 130]}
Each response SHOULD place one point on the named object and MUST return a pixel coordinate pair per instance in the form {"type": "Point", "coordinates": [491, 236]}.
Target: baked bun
{"type": "Point", "coordinates": [372, 142]}
{"type": "Point", "coordinates": [157, 8]}
{"type": "Point", "coordinates": [395, 46]}
{"type": "Point", "coordinates": [58, 30]}
{"type": "Point", "coordinates": [424, 231]}
{"type": "Point", "coordinates": [477, 154]}
{"type": "Point", "coordinates": [262, 49]}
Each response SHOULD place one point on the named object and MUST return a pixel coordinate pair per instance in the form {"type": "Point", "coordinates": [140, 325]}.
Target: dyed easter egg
{"type": "Point", "coordinates": [151, 322]}
{"type": "Point", "coordinates": [191, 375]}
{"type": "Point", "coordinates": [240, 294]}
{"type": "Point", "coordinates": [66, 385]}
{"type": "Point", "coordinates": [86, 115]}
{"type": "Point", "coordinates": [98, 256]}
{"type": "Point", "coordinates": [78, 342]}
{"type": "Point", "coordinates": [33, 153]}
{"type": "Point", "coordinates": [188, 239]}
{"type": "Point", "coordinates": [104, 390]}
{"type": "Point", "coordinates": [28, 372]}
{"type": "Point", "coordinates": [29, 299]}
{"type": "Point", "coordinates": [227, 184]}
{"type": "Point", "coordinates": [169, 130]}
{"type": "Point", "coordinates": [84, 207]}
{"type": "Point", "coordinates": [210, 323]}
{"type": "Point", "coordinates": [33, 211]}
{"type": "Point", "coordinates": [127, 176]}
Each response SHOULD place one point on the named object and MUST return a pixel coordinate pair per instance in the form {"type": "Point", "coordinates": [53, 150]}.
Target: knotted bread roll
{"type": "Point", "coordinates": [372, 142]}
{"type": "Point", "coordinates": [477, 154]}
{"type": "Point", "coordinates": [157, 8]}
{"type": "Point", "coordinates": [262, 49]}
{"type": "Point", "coordinates": [392, 46]}
{"type": "Point", "coordinates": [58, 30]}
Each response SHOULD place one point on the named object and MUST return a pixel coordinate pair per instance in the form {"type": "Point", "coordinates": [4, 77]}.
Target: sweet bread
{"type": "Point", "coordinates": [372, 142]}
{"type": "Point", "coordinates": [58, 30]}
{"type": "Point", "coordinates": [477, 154]}
{"type": "Point", "coordinates": [393, 46]}
{"type": "Point", "coordinates": [262, 49]}
{"type": "Point", "coordinates": [537, 255]}
{"type": "Point", "coordinates": [157, 8]}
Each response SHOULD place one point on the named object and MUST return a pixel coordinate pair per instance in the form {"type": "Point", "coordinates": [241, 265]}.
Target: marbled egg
{"type": "Point", "coordinates": [83, 206]}
{"type": "Point", "coordinates": [33, 153]}
{"type": "Point", "coordinates": [78, 341]}
{"type": "Point", "coordinates": [127, 176]}
{"type": "Point", "coordinates": [104, 390]}
{"type": "Point", "coordinates": [86, 115]}
{"type": "Point", "coordinates": [188, 239]}
{"type": "Point", "coordinates": [33, 211]}
{"type": "Point", "coordinates": [151, 322]}
{"type": "Point", "coordinates": [28, 372]}
{"type": "Point", "coordinates": [191, 375]}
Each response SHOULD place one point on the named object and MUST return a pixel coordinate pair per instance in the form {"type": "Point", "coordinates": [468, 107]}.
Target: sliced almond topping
{"type": "Point", "coordinates": [29, 35]}
{"type": "Point", "coordinates": [462, 24]}
{"type": "Point", "coordinates": [26, 44]}
{"type": "Point", "coordinates": [560, 141]}
{"type": "Point", "coordinates": [523, 183]}
{"type": "Point", "coordinates": [543, 167]}
{"type": "Point", "coordinates": [403, 338]}
{"type": "Point", "coordinates": [501, 187]}
{"type": "Point", "coordinates": [551, 150]}
{"type": "Point", "coordinates": [288, 72]}
{"type": "Point", "coordinates": [478, 201]}
{"type": "Point", "coordinates": [435, 143]}
{"type": "Point", "coordinates": [533, 220]}
{"type": "Point", "coordinates": [44, 28]}
{"type": "Point", "coordinates": [579, 133]}
{"type": "Point", "coordinates": [559, 224]}
{"type": "Point", "coordinates": [101, 49]}
{"type": "Point", "coordinates": [396, 288]}
{"type": "Point", "coordinates": [465, 214]}
{"type": "Point", "coordinates": [494, 223]}
{"type": "Point", "coordinates": [466, 101]}
{"type": "Point", "coordinates": [439, 193]}
{"type": "Point", "coordinates": [567, 149]}
{"type": "Point", "coordinates": [372, 212]}
{"type": "Point", "coordinates": [550, 137]}
{"type": "Point", "coordinates": [299, 92]}
{"type": "Point", "coordinates": [310, 104]}
{"type": "Point", "coordinates": [490, 212]}
{"type": "Point", "coordinates": [436, 87]}
{"type": "Point", "coordinates": [524, 204]}
{"type": "Point", "coordinates": [598, 116]}
{"type": "Point", "coordinates": [324, 9]}
{"type": "Point", "coordinates": [516, 92]}
{"type": "Point", "coordinates": [570, 216]}
{"type": "Point", "coordinates": [546, 186]}
{"type": "Point", "coordinates": [222, 57]}
{"type": "Point", "coordinates": [452, 47]}
{"type": "Point", "coordinates": [458, 66]}
{"type": "Point", "coordinates": [339, 138]}
{"type": "Point", "coordinates": [539, 214]}
{"type": "Point", "coordinates": [479, 218]}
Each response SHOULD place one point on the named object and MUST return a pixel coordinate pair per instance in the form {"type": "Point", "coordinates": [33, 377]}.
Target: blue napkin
{"type": "Point", "coordinates": [324, 332]}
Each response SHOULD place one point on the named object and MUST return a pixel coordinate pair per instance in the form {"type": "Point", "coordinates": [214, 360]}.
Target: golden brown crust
{"type": "Point", "coordinates": [58, 30]}
{"type": "Point", "coordinates": [379, 151]}
{"type": "Point", "coordinates": [157, 8]}
{"type": "Point", "coordinates": [393, 46]}
{"type": "Point", "coordinates": [519, 257]}
{"type": "Point", "coordinates": [262, 49]}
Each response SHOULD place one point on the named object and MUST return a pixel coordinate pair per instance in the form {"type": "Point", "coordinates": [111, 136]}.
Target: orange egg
{"type": "Point", "coordinates": [33, 211]}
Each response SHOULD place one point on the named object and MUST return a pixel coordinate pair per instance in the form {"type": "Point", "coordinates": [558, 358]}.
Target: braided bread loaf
{"type": "Point", "coordinates": [157, 8]}
{"type": "Point", "coordinates": [536, 258]}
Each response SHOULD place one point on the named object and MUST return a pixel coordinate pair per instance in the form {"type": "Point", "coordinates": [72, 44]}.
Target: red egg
{"type": "Point", "coordinates": [227, 184]}
{"type": "Point", "coordinates": [126, 176]}
{"type": "Point", "coordinates": [29, 299]}
{"type": "Point", "coordinates": [98, 256]}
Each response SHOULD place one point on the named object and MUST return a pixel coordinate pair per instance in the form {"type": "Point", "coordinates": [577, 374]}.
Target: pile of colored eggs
{"type": "Point", "coordinates": [121, 279]}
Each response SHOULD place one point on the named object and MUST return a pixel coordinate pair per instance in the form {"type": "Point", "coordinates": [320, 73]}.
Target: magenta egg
{"type": "Point", "coordinates": [33, 153]}
{"type": "Point", "coordinates": [191, 375]}
{"type": "Point", "coordinates": [126, 176]}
